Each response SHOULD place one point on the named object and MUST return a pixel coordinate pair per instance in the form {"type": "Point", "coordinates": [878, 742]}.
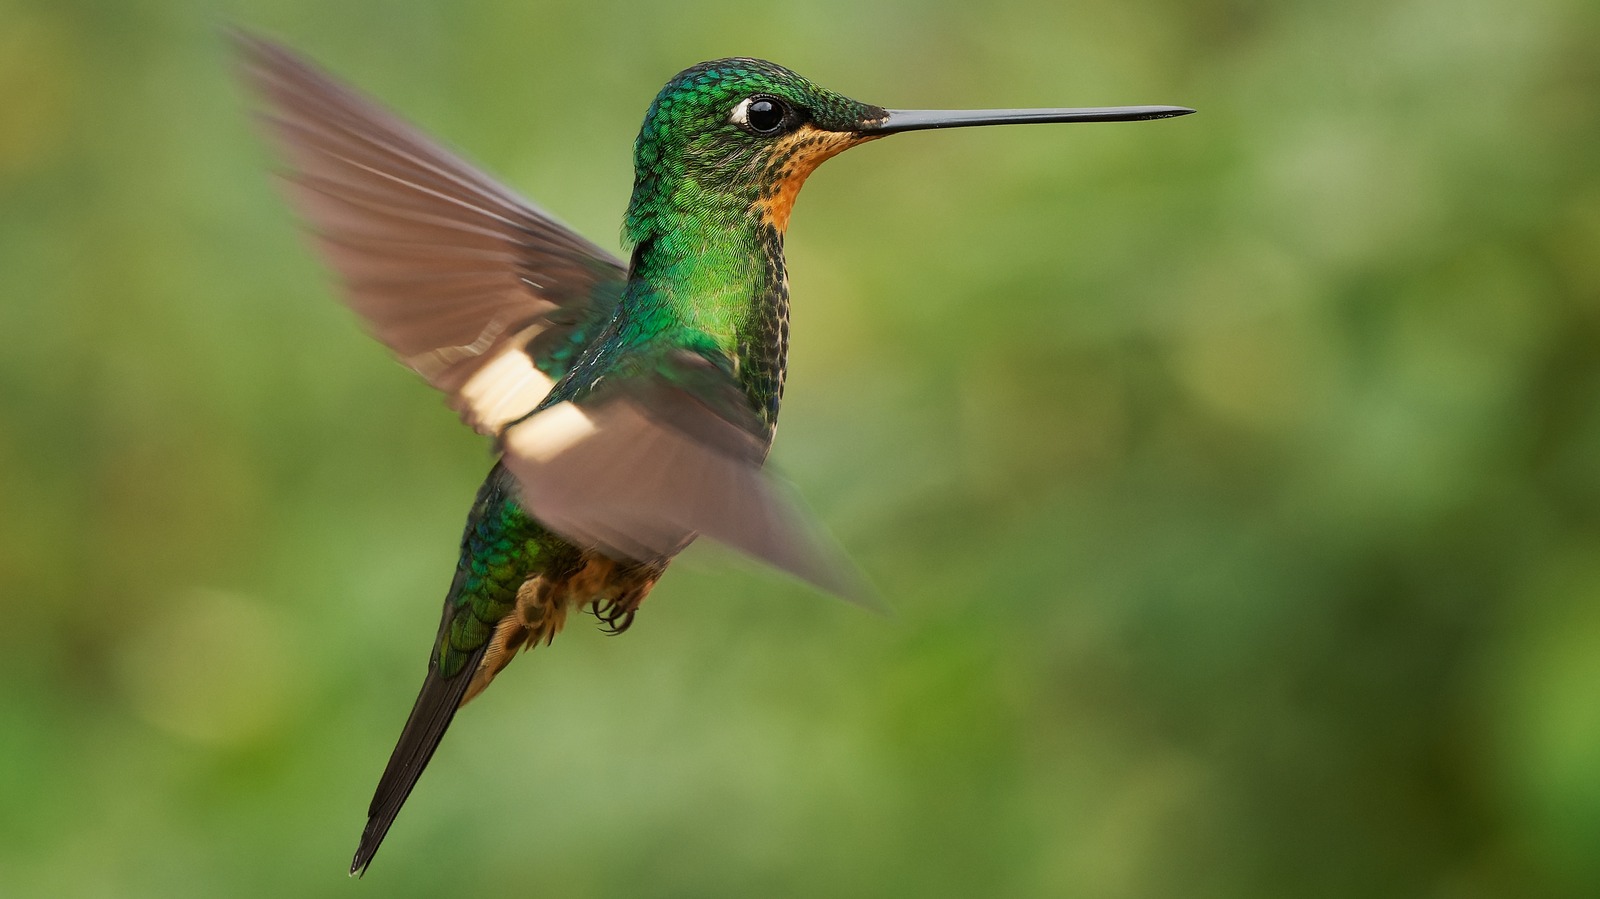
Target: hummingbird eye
{"type": "Point", "coordinates": [764, 116]}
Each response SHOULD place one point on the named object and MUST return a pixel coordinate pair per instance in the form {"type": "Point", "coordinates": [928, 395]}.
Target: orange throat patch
{"type": "Point", "coordinates": [794, 158]}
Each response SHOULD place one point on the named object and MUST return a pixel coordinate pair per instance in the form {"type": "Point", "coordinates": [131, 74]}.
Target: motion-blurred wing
{"type": "Point", "coordinates": [639, 469]}
{"type": "Point", "coordinates": [477, 290]}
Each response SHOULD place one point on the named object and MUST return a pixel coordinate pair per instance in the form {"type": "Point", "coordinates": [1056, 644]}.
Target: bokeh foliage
{"type": "Point", "coordinates": [1236, 478]}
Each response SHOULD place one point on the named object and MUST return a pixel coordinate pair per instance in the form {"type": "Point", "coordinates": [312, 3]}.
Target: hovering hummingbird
{"type": "Point", "coordinates": [632, 405]}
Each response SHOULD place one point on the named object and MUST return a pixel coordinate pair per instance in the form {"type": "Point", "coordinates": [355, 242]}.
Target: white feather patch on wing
{"type": "Point", "coordinates": [503, 389]}
{"type": "Point", "coordinates": [551, 433]}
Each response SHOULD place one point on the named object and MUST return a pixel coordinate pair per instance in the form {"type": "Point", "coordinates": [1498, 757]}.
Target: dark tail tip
{"type": "Point", "coordinates": [435, 707]}
{"type": "Point", "coordinates": [371, 839]}
{"type": "Point", "coordinates": [377, 828]}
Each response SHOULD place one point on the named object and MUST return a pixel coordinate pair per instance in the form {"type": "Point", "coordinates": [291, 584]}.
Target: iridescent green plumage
{"type": "Point", "coordinates": [501, 548]}
{"type": "Point", "coordinates": [633, 405]}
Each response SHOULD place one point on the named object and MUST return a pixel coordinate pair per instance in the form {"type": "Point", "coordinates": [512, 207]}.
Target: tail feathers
{"type": "Point", "coordinates": [435, 707]}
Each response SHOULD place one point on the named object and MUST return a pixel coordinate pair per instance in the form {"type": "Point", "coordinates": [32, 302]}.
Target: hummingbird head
{"type": "Point", "coordinates": [740, 135]}
{"type": "Point", "coordinates": [737, 137]}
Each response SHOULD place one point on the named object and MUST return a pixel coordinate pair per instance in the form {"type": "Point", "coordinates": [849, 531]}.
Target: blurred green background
{"type": "Point", "coordinates": [1236, 478]}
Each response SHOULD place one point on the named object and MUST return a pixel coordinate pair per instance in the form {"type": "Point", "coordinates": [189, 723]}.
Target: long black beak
{"type": "Point", "coordinates": [898, 120]}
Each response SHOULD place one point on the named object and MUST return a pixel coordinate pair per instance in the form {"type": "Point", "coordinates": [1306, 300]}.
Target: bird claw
{"type": "Point", "coordinates": [614, 615]}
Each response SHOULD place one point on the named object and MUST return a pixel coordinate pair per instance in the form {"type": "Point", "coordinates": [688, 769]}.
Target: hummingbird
{"type": "Point", "coordinates": [631, 404]}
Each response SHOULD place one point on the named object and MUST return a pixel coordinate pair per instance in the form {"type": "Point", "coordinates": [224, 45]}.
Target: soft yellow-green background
{"type": "Point", "coordinates": [1236, 478]}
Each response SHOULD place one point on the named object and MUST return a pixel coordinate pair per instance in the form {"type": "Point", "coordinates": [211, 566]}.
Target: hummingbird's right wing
{"type": "Point", "coordinates": [482, 293]}
{"type": "Point", "coordinates": [646, 462]}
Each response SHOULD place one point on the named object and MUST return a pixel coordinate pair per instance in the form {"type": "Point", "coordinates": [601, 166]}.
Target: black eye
{"type": "Point", "coordinates": [765, 115]}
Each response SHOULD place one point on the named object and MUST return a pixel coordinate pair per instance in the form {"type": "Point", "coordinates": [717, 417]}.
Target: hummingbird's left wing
{"type": "Point", "coordinates": [482, 293]}
{"type": "Point", "coordinates": [646, 462]}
